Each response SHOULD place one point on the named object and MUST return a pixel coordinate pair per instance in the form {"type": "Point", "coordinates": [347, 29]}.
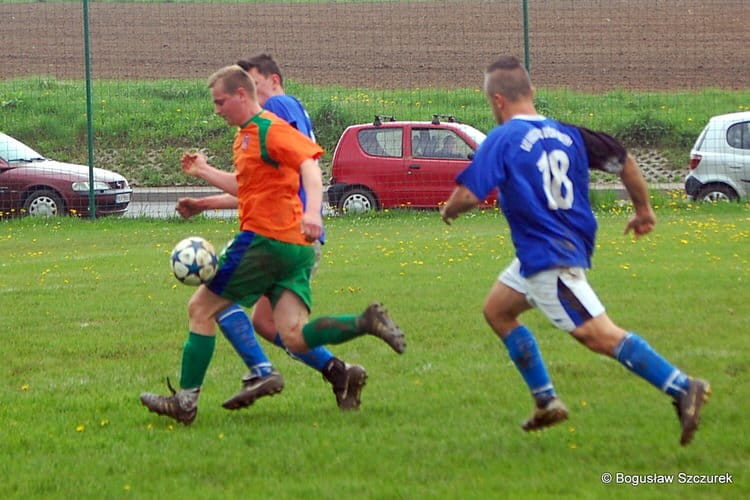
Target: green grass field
{"type": "Point", "coordinates": [92, 317]}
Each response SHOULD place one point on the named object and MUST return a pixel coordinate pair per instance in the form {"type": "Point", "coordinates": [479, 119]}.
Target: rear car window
{"type": "Point", "coordinates": [381, 142]}
{"type": "Point", "coordinates": [738, 135]}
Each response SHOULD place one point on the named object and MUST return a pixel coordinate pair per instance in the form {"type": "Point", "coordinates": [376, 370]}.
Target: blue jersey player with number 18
{"type": "Point", "coordinates": [541, 168]}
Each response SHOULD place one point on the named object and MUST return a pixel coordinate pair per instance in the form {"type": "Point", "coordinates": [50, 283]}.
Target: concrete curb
{"type": "Point", "coordinates": [172, 193]}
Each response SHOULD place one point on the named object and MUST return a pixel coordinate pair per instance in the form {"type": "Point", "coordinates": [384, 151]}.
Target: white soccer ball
{"type": "Point", "coordinates": [194, 261]}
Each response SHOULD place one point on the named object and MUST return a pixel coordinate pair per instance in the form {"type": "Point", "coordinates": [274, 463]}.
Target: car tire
{"type": "Point", "coordinates": [357, 201]}
{"type": "Point", "coordinates": [717, 192]}
{"type": "Point", "coordinates": [44, 203]}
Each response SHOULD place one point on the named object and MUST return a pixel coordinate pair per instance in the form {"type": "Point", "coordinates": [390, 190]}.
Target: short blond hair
{"type": "Point", "coordinates": [232, 78]}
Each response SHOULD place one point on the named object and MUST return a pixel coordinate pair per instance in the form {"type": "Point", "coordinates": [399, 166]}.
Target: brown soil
{"type": "Point", "coordinates": [590, 45]}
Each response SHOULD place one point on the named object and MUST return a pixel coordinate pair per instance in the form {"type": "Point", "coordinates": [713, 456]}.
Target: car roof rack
{"type": "Point", "coordinates": [449, 118]}
{"type": "Point", "coordinates": [379, 119]}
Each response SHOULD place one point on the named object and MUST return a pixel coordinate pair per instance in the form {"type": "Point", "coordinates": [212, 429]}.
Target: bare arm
{"type": "Point", "coordinates": [643, 220]}
{"type": "Point", "coordinates": [187, 207]}
{"type": "Point", "coordinates": [196, 164]}
{"type": "Point", "coordinates": [312, 181]}
{"type": "Point", "coordinates": [460, 201]}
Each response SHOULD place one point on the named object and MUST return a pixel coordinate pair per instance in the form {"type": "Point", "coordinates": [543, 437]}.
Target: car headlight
{"type": "Point", "coordinates": [83, 186]}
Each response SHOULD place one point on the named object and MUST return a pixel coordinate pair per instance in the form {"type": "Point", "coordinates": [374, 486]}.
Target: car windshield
{"type": "Point", "coordinates": [13, 150]}
{"type": "Point", "coordinates": [477, 135]}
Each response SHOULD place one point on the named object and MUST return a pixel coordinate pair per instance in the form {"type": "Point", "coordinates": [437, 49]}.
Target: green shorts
{"type": "Point", "coordinates": [252, 266]}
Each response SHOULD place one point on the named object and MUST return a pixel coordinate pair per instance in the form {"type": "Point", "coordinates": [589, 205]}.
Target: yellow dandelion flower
{"type": "Point", "coordinates": [80, 428]}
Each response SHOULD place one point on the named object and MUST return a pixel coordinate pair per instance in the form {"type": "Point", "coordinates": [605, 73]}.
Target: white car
{"type": "Point", "coordinates": [720, 160]}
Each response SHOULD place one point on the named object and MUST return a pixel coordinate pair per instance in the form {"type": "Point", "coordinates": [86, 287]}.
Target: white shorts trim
{"type": "Point", "coordinates": [563, 294]}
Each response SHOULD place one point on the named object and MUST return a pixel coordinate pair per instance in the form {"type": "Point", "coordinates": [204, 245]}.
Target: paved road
{"type": "Point", "coordinates": [160, 202]}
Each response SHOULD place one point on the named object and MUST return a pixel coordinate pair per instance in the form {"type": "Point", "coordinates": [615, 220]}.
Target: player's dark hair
{"type": "Point", "coordinates": [265, 65]}
{"type": "Point", "coordinates": [508, 77]}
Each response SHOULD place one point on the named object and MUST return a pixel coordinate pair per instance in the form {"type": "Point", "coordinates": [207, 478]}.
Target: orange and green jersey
{"type": "Point", "coordinates": [268, 153]}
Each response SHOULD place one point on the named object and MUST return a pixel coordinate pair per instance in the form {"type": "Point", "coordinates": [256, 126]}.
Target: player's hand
{"type": "Point", "coordinates": [312, 226]}
{"type": "Point", "coordinates": [192, 163]}
{"type": "Point", "coordinates": [641, 224]}
{"type": "Point", "coordinates": [447, 218]}
{"type": "Point", "coordinates": [187, 207]}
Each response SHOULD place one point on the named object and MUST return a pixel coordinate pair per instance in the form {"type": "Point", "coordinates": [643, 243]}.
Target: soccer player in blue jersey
{"type": "Point", "coordinates": [347, 380]}
{"type": "Point", "coordinates": [541, 168]}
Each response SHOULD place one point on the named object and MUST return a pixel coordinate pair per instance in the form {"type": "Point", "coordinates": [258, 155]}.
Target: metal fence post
{"type": "Point", "coordinates": [89, 108]}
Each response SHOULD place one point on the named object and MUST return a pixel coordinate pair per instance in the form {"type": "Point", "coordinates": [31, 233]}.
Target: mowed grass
{"type": "Point", "coordinates": [92, 317]}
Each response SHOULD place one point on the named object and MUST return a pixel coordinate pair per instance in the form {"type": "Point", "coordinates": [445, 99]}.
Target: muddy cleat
{"type": "Point", "coordinates": [689, 407]}
{"type": "Point", "coordinates": [254, 388]}
{"type": "Point", "coordinates": [375, 321]}
{"type": "Point", "coordinates": [347, 381]}
{"type": "Point", "coordinates": [181, 405]}
{"type": "Point", "coordinates": [552, 413]}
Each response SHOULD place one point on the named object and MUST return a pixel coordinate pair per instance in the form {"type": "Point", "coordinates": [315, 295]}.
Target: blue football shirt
{"type": "Point", "coordinates": [289, 109]}
{"type": "Point", "coordinates": [541, 169]}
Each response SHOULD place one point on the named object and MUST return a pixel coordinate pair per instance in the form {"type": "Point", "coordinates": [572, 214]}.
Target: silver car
{"type": "Point", "coordinates": [720, 160]}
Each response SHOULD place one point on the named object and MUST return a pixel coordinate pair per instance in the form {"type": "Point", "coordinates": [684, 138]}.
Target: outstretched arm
{"type": "Point", "coordinates": [196, 164]}
{"type": "Point", "coordinates": [643, 220]}
{"type": "Point", "coordinates": [460, 201]}
{"type": "Point", "coordinates": [187, 207]}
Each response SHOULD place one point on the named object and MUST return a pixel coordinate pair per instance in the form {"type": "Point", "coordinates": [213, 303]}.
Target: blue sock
{"type": "Point", "coordinates": [317, 357]}
{"type": "Point", "coordinates": [524, 352]}
{"type": "Point", "coordinates": [641, 359]}
{"type": "Point", "coordinates": [236, 327]}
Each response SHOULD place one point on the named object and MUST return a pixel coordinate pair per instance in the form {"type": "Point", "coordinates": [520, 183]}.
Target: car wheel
{"type": "Point", "coordinates": [44, 203]}
{"type": "Point", "coordinates": [717, 192]}
{"type": "Point", "coordinates": [357, 201]}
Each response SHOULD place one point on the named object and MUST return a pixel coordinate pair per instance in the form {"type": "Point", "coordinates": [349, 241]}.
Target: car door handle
{"type": "Point", "coordinates": [414, 166]}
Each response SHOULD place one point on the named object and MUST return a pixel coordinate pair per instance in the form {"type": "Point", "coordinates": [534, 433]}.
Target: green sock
{"type": "Point", "coordinates": [330, 330]}
{"type": "Point", "coordinates": [196, 355]}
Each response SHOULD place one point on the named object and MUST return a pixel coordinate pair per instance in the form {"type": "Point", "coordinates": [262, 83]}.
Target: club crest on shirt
{"type": "Point", "coordinates": [245, 142]}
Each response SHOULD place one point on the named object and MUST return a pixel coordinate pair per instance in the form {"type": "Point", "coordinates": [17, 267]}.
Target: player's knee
{"type": "Point", "coordinates": [598, 339]}
{"type": "Point", "coordinates": [294, 342]}
{"type": "Point", "coordinates": [196, 308]}
{"type": "Point", "coordinates": [265, 327]}
{"type": "Point", "coordinates": [498, 321]}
